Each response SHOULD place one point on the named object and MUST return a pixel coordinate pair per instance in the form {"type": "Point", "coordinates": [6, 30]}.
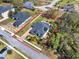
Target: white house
{"type": "Point", "coordinates": [4, 11]}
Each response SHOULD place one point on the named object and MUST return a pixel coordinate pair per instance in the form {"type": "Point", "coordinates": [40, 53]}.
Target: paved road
{"type": "Point", "coordinates": [25, 49]}
{"type": "Point", "coordinates": [50, 5]}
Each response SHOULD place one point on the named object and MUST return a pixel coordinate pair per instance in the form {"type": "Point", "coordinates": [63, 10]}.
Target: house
{"type": "Point", "coordinates": [21, 18]}
{"type": "Point", "coordinates": [4, 11]}
{"type": "Point", "coordinates": [40, 29]}
{"type": "Point", "coordinates": [2, 58]}
{"type": "Point", "coordinates": [69, 8]}
{"type": "Point", "coordinates": [28, 5]}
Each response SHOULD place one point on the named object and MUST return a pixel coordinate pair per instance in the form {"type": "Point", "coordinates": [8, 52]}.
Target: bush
{"type": "Point", "coordinates": [9, 52]}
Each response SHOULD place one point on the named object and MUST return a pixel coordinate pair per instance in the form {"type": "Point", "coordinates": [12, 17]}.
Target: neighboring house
{"type": "Point", "coordinates": [21, 18]}
{"type": "Point", "coordinates": [40, 29]}
{"type": "Point", "coordinates": [28, 5]}
{"type": "Point", "coordinates": [69, 8]}
{"type": "Point", "coordinates": [2, 58]}
{"type": "Point", "coordinates": [4, 11]}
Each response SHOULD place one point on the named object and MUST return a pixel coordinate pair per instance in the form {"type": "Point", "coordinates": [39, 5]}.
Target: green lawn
{"type": "Point", "coordinates": [2, 46]}
{"type": "Point", "coordinates": [14, 55]}
{"type": "Point", "coordinates": [23, 30]}
{"type": "Point", "coordinates": [7, 21]}
{"type": "Point", "coordinates": [29, 11]}
{"type": "Point", "coordinates": [77, 1]}
{"type": "Point", "coordinates": [11, 20]}
{"type": "Point", "coordinates": [41, 19]}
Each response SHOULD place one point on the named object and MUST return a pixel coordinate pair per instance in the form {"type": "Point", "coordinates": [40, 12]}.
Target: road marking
{"type": "Point", "coordinates": [14, 49]}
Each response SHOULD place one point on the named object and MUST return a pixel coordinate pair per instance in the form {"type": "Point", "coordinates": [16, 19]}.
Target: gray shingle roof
{"type": "Point", "coordinates": [20, 17]}
{"type": "Point", "coordinates": [40, 28]}
{"type": "Point", "coordinates": [4, 8]}
{"type": "Point", "coordinates": [69, 8]}
{"type": "Point", "coordinates": [28, 5]}
{"type": "Point", "coordinates": [1, 57]}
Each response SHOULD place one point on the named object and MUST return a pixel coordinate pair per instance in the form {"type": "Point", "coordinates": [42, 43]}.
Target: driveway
{"type": "Point", "coordinates": [49, 6]}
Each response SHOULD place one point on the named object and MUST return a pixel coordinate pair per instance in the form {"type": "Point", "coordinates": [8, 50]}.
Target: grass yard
{"type": "Point", "coordinates": [41, 19]}
{"type": "Point", "coordinates": [7, 21]}
{"type": "Point", "coordinates": [23, 30]}
{"type": "Point", "coordinates": [11, 20]}
{"type": "Point", "coordinates": [2, 45]}
{"type": "Point", "coordinates": [77, 1]}
{"type": "Point", "coordinates": [14, 55]}
{"type": "Point", "coordinates": [28, 11]}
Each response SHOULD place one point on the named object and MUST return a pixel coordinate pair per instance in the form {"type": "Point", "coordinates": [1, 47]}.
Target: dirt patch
{"type": "Point", "coordinates": [52, 55]}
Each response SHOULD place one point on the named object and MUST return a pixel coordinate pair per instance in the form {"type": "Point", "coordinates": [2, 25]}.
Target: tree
{"type": "Point", "coordinates": [11, 13]}
{"type": "Point", "coordinates": [63, 39]}
{"type": "Point", "coordinates": [69, 48]}
{"type": "Point", "coordinates": [18, 5]}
